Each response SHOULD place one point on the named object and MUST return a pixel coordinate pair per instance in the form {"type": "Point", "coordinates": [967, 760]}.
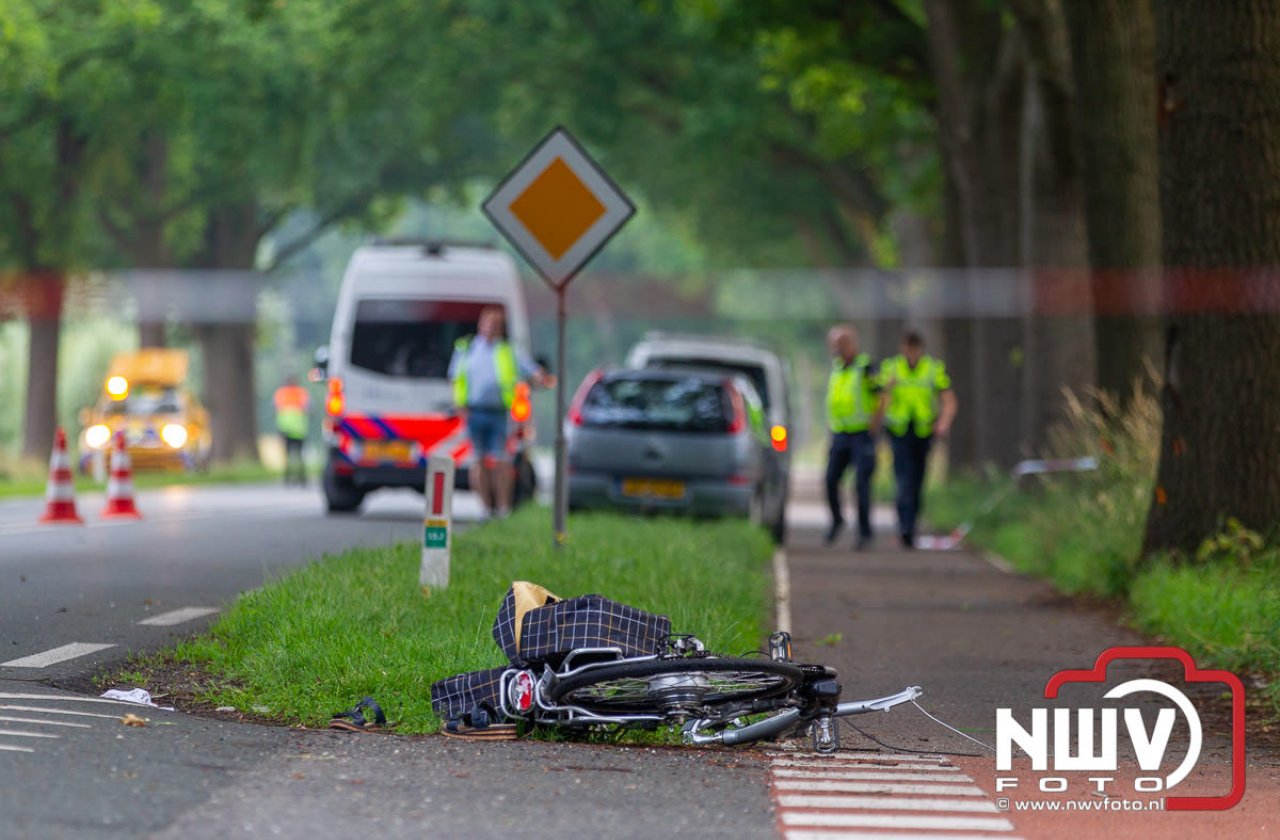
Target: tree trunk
{"type": "Point", "coordinates": [1058, 327]}
{"type": "Point", "coordinates": [228, 337]}
{"type": "Point", "coordinates": [44, 322]}
{"type": "Point", "coordinates": [1220, 196]}
{"type": "Point", "coordinates": [980, 73]}
{"type": "Point", "coordinates": [1113, 48]}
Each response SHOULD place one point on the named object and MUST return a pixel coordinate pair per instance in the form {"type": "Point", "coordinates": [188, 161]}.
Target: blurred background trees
{"type": "Point", "coordinates": [218, 145]}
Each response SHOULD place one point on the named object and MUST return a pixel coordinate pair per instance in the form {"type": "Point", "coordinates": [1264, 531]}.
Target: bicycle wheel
{"type": "Point", "coordinates": [668, 686]}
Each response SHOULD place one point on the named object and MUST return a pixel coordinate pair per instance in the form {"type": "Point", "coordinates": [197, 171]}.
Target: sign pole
{"type": "Point", "coordinates": [560, 501]}
{"type": "Point", "coordinates": [558, 208]}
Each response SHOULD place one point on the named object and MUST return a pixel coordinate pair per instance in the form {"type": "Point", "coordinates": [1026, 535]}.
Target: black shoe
{"type": "Point", "coordinates": [863, 542]}
{"type": "Point", "coordinates": [832, 532]}
{"type": "Point", "coordinates": [908, 541]}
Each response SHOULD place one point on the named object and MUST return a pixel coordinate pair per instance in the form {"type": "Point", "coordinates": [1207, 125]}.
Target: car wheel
{"type": "Point", "coordinates": [526, 481]}
{"type": "Point", "coordinates": [340, 494]}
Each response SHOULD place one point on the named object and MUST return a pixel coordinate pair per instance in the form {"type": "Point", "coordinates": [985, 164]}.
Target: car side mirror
{"type": "Point", "coordinates": [320, 365]}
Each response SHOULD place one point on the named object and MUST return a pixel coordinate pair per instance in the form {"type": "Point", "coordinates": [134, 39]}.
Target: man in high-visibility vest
{"type": "Point", "coordinates": [485, 370]}
{"type": "Point", "coordinates": [853, 415]}
{"type": "Point", "coordinates": [292, 401]}
{"type": "Point", "coordinates": [919, 406]}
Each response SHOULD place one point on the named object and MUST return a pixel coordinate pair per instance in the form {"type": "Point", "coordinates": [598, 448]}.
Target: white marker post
{"type": "Point", "coordinates": [437, 525]}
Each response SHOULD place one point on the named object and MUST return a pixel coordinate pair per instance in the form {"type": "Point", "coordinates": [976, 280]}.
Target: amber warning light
{"type": "Point", "coordinates": [778, 436]}
{"type": "Point", "coordinates": [334, 403]}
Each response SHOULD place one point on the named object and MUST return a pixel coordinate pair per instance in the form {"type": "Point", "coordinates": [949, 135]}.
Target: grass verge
{"type": "Point", "coordinates": [355, 624]}
{"type": "Point", "coordinates": [1084, 533]}
{"type": "Point", "coordinates": [30, 481]}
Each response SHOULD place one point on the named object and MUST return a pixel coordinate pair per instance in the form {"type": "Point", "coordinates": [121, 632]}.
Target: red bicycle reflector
{"type": "Point", "coordinates": [522, 691]}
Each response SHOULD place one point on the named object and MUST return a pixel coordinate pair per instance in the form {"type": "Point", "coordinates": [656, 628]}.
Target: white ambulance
{"type": "Point", "coordinates": [389, 405]}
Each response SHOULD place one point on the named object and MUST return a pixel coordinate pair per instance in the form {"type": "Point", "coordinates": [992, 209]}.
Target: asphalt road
{"type": "Point", "coordinates": [194, 551]}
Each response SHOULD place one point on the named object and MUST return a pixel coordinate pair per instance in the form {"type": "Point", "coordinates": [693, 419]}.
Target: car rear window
{"type": "Point", "coordinates": [411, 338]}
{"type": "Point", "coordinates": [682, 405]}
{"type": "Point", "coordinates": [754, 373]}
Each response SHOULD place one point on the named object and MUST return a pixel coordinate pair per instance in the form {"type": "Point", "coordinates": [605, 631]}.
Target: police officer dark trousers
{"type": "Point", "coordinates": [919, 404]}
{"type": "Point", "coordinates": [852, 406]}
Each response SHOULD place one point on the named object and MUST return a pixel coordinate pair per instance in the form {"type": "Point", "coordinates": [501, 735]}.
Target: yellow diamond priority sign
{"type": "Point", "coordinates": [558, 208]}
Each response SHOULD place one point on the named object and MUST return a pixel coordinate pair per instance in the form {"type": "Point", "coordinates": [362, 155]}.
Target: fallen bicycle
{"type": "Point", "coordinates": [590, 663]}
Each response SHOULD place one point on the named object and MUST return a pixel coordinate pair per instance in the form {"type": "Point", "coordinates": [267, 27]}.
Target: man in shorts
{"type": "Point", "coordinates": [485, 370]}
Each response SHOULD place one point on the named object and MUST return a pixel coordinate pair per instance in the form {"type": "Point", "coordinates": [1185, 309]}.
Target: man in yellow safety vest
{"type": "Point", "coordinates": [919, 406]}
{"type": "Point", "coordinates": [853, 415]}
{"type": "Point", "coordinates": [485, 370]}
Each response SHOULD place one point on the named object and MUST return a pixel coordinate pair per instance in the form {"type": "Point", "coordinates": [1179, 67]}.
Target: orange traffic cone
{"type": "Point", "coordinates": [60, 495]}
{"type": "Point", "coordinates": [120, 484]}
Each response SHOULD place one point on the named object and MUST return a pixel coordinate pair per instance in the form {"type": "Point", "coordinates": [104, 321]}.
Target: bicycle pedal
{"type": "Point", "coordinates": [826, 734]}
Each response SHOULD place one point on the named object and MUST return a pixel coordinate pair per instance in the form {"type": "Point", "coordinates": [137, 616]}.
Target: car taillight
{"type": "Point", "coordinates": [778, 437]}
{"type": "Point", "coordinates": [580, 396]}
{"type": "Point", "coordinates": [521, 407]}
{"type": "Point", "coordinates": [739, 420]}
{"type": "Point", "coordinates": [335, 402]}
{"type": "Point", "coordinates": [739, 479]}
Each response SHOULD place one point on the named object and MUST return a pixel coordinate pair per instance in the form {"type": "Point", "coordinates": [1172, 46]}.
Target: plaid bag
{"type": "Point", "coordinates": [589, 621]}
{"type": "Point", "coordinates": [472, 698]}
{"type": "Point", "coordinates": [521, 598]}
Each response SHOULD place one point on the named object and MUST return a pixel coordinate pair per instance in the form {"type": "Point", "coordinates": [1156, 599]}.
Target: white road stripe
{"type": "Point", "coordinates": [67, 698]}
{"type": "Point", "coordinates": [7, 719]}
{"type": "Point", "coordinates": [819, 834]}
{"type": "Point", "coordinates": [57, 711]}
{"type": "Point", "coordinates": [840, 758]}
{"type": "Point", "coordinates": [56, 655]}
{"type": "Point", "coordinates": [876, 787]}
{"type": "Point", "coordinates": [884, 775]}
{"type": "Point", "coordinates": [8, 748]}
{"type": "Point", "coordinates": [18, 733]}
{"type": "Point", "coordinates": [887, 803]}
{"type": "Point", "coordinates": [896, 821]}
{"type": "Point", "coordinates": [179, 616]}
{"type": "Point", "coordinates": [863, 766]}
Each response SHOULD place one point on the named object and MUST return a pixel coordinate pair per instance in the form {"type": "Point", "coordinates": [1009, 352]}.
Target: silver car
{"type": "Point", "coordinates": [669, 440]}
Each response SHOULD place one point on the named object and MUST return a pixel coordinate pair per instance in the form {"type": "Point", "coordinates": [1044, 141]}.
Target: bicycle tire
{"type": "Point", "coordinates": [663, 686]}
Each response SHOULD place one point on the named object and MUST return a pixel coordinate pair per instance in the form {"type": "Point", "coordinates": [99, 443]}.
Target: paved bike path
{"type": "Point", "coordinates": [975, 637]}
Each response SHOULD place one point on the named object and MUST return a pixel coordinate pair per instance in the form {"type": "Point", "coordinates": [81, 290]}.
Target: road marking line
{"type": "Point", "coordinates": [7, 719]}
{"type": "Point", "coordinates": [69, 698]}
{"type": "Point", "coordinates": [782, 590]}
{"type": "Point", "coordinates": [886, 775]}
{"type": "Point", "coordinates": [8, 748]}
{"type": "Point", "coordinates": [819, 834]}
{"type": "Point", "coordinates": [896, 821]}
{"type": "Point", "coordinates": [872, 757]}
{"type": "Point", "coordinates": [56, 711]}
{"type": "Point", "coordinates": [885, 803]}
{"type": "Point", "coordinates": [1000, 564]}
{"type": "Point", "coordinates": [56, 655]}
{"type": "Point", "coordinates": [179, 616]}
{"type": "Point", "coordinates": [18, 733]}
{"type": "Point", "coordinates": [878, 787]}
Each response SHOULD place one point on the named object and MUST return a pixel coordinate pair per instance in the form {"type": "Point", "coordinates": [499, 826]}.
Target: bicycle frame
{"type": "Point", "coordinates": [812, 705]}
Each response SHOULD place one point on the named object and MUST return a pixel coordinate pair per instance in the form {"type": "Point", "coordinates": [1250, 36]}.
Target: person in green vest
{"type": "Point", "coordinates": [854, 416]}
{"type": "Point", "coordinates": [919, 407]}
{"type": "Point", "coordinates": [484, 370]}
{"type": "Point", "coordinates": [292, 401]}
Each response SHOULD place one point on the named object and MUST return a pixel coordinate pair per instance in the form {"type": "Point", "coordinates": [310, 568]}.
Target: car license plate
{"type": "Point", "coordinates": [389, 451]}
{"type": "Point", "coordinates": [652, 488]}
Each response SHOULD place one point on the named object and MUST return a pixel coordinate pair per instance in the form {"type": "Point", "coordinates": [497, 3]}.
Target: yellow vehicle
{"type": "Point", "coordinates": [144, 396]}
